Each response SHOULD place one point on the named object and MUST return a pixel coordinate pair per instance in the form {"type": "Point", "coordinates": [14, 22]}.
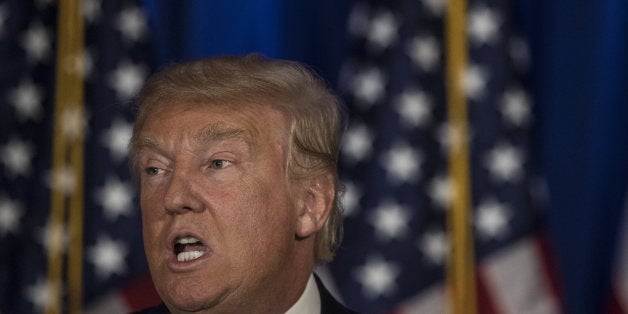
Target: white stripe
{"type": "Point", "coordinates": [429, 301]}
{"type": "Point", "coordinates": [515, 280]}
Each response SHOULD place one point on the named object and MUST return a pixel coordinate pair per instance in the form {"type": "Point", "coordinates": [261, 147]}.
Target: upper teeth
{"type": "Point", "coordinates": [187, 240]}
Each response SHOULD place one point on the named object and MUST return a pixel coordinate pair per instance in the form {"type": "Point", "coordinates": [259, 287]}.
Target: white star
{"type": "Point", "coordinates": [443, 136]}
{"type": "Point", "coordinates": [41, 294]}
{"type": "Point", "coordinates": [36, 42]}
{"type": "Point", "coordinates": [515, 107]}
{"type": "Point", "coordinates": [475, 80]}
{"type": "Point", "coordinates": [26, 99]}
{"type": "Point", "coordinates": [10, 213]}
{"type": "Point", "coordinates": [402, 163]}
{"type": "Point", "coordinates": [3, 18]}
{"type": "Point", "coordinates": [452, 137]}
{"type": "Point", "coordinates": [425, 53]}
{"type": "Point", "coordinates": [53, 231]}
{"type": "Point", "coordinates": [17, 156]}
{"type": "Point", "coordinates": [358, 21]}
{"type": "Point", "coordinates": [520, 53]}
{"type": "Point", "coordinates": [351, 198]}
{"type": "Point", "coordinates": [441, 191]}
{"type": "Point", "coordinates": [383, 30]}
{"type": "Point", "coordinates": [504, 163]}
{"type": "Point", "coordinates": [63, 179]}
{"type": "Point", "coordinates": [377, 277]}
{"type": "Point", "coordinates": [435, 246]}
{"type": "Point", "coordinates": [357, 143]}
{"type": "Point", "coordinates": [91, 10]}
{"type": "Point", "coordinates": [436, 7]}
{"type": "Point", "coordinates": [117, 138]}
{"type": "Point", "coordinates": [108, 257]}
{"type": "Point", "coordinates": [414, 108]}
{"type": "Point", "coordinates": [80, 64]}
{"type": "Point", "coordinates": [74, 122]}
{"type": "Point", "coordinates": [77, 63]}
{"type": "Point", "coordinates": [368, 86]}
{"type": "Point", "coordinates": [116, 198]}
{"type": "Point", "coordinates": [132, 23]}
{"type": "Point", "coordinates": [127, 79]}
{"type": "Point", "coordinates": [483, 25]}
{"type": "Point", "coordinates": [491, 219]}
{"type": "Point", "coordinates": [390, 221]}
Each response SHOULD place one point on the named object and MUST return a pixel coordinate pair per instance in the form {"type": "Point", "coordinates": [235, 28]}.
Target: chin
{"type": "Point", "coordinates": [185, 306]}
{"type": "Point", "coordinates": [189, 294]}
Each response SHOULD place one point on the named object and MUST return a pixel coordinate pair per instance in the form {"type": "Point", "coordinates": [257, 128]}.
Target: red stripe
{"type": "Point", "coordinates": [613, 306]}
{"type": "Point", "coordinates": [549, 266]}
{"type": "Point", "coordinates": [140, 294]}
{"type": "Point", "coordinates": [486, 305]}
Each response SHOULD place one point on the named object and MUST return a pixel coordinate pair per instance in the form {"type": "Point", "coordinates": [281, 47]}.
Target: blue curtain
{"type": "Point", "coordinates": [307, 31]}
{"type": "Point", "coordinates": [581, 53]}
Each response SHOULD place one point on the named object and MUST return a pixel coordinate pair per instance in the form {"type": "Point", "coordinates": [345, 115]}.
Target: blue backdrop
{"type": "Point", "coordinates": [580, 66]}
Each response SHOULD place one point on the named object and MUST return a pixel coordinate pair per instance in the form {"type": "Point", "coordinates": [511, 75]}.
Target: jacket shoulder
{"type": "Point", "coordinates": [329, 304]}
{"type": "Point", "coordinates": [158, 309]}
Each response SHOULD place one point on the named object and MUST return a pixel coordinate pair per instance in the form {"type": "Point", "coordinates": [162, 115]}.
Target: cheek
{"type": "Point", "coordinates": [151, 202]}
{"type": "Point", "coordinates": [265, 214]}
{"type": "Point", "coordinates": [152, 220]}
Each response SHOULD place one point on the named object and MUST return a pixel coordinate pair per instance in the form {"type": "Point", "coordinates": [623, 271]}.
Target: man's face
{"type": "Point", "coordinates": [218, 222]}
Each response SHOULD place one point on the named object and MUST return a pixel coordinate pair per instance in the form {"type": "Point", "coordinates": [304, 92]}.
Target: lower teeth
{"type": "Point", "coordinates": [188, 256]}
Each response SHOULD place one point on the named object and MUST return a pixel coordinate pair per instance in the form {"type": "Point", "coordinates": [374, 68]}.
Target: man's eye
{"type": "Point", "coordinates": [151, 171]}
{"type": "Point", "coordinates": [219, 163]}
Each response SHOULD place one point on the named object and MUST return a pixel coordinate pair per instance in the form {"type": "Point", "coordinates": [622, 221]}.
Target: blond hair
{"type": "Point", "coordinates": [313, 111]}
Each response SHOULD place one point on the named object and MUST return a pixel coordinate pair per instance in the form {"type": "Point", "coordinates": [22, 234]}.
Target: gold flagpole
{"type": "Point", "coordinates": [461, 261]}
{"type": "Point", "coordinates": [67, 159]}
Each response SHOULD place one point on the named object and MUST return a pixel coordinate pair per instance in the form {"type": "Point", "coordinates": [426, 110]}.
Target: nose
{"type": "Point", "coordinates": [180, 196]}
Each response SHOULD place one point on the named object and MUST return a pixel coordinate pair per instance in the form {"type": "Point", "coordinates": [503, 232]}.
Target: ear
{"type": "Point", "coordinates": [317, 200]}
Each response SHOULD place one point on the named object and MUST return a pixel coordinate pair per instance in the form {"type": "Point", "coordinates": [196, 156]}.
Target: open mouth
{"type": "Point", "coordinates": [188, 248]}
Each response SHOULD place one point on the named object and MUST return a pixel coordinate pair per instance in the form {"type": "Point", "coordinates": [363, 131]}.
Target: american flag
{"type": "Point", "coordinates": [115, 63]}
{"type": "Point", "coordinates": [394, 162]}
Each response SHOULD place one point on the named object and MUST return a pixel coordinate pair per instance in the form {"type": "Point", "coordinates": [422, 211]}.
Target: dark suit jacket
{"type": "Point", "coordinates": [329, 305]}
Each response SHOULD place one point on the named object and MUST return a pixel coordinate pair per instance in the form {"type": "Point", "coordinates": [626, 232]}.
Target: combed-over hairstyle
{"type": "Point", "coordinates": [313, 113]}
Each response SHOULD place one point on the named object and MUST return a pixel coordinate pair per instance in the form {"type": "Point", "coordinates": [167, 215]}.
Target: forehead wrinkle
{"type": "Point", "coordinates": [143, 142]}
{"type": "Point", "coordinates": [219, 131]}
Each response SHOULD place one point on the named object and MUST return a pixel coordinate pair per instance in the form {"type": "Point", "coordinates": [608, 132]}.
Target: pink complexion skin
{"type": "Point", "coordinates": [225, 229]}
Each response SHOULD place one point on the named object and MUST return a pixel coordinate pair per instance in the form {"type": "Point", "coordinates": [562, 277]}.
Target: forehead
{"type": "Point", "coordinates": [201, 122]}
